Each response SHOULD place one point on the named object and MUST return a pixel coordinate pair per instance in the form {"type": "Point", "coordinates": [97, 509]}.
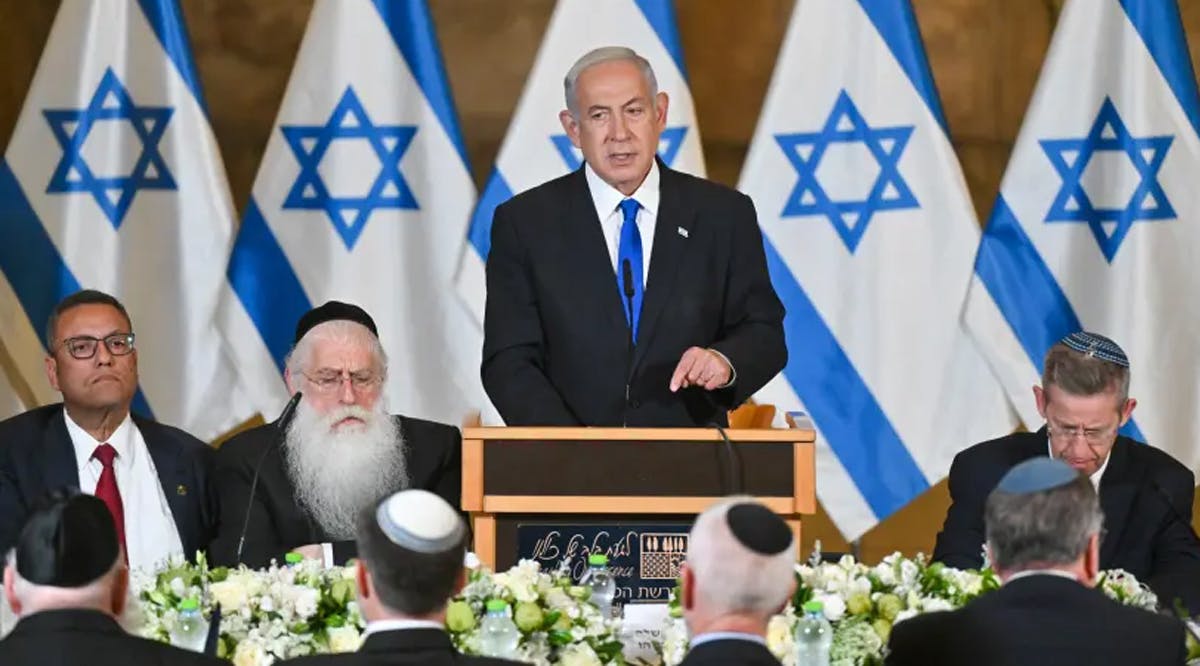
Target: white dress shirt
{"type": "Point", "coordinates": [398, 624]}
{"type": "Point", "coordinates": [150, 534]}
{"type": "Point", "coordinates": [607, 200]}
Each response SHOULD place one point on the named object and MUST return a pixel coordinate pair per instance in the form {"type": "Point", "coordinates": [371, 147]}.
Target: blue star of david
{"type": "Point", "coordinates": [669, 143]}
{"type": "Point", "coordinates": [846, 124]}
{"type": "Point", "coordinates": [110, 103]}
{"type": "Point", "coordinates": [310, 143]}
{"type": "Point", "coordinates": [1070, 158]}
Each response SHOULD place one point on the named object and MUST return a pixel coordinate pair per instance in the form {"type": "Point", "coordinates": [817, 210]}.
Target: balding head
{"type": "Point", "coordinates": [740, 564]}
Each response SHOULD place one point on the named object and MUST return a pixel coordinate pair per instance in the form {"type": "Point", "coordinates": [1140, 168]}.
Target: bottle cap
{"type": "Point", "coordinates": [494, 605]}
{"type": "Point", "coordinates": [189, 604]}
{"type": "Point", "coordinates": [813, 606]}
{"type": "Point", "coordinates": [293, 558]}
{"type": "Point", "coordinates": [598, 560]}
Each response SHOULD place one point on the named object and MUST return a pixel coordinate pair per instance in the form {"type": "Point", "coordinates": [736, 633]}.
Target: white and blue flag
{"type": "Point", "coordinates": [536, 149]}
{"type": "Point", "coordinates": [1097, 224]}
{"type": "Point", "coordinates": [113, 181]}
{"type": "Point", "coordinates": [10, 402]}
{"type": "Point", "coordinates": [870, 237]}
{"type": "Point", "coordinates": [363, 196]}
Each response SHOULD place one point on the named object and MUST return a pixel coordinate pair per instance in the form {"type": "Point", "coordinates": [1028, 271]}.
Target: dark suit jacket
{"type": "Point", "coordinates": [37, 456]}
{"type": "Point", "coordinates": [729, 652]}
{"type": "Point", "coordinates": [83, 637]}
{"type": "Point", "coordinates": [277, 522]}
{"type": "Point", "coordinates": [423, 647]}
{"type": "Point", "coordinates": [1039, 620]}
{"type": "Point", "coordinates": [556, 348]}
{"type": "Point", "coordinates": [1146, 496]}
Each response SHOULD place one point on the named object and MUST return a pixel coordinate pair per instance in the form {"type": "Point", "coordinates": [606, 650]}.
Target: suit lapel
{"type": "Point", "coordinates": [172, 476]}
{"type": "Point", "coordinates": [674, 214]}
{"type": "Point", "coordinates": [1118, 489]}
{"type": "Point", "coordinates": [585, 245]}
{"type": "Point", "coordinates": [60, 469]}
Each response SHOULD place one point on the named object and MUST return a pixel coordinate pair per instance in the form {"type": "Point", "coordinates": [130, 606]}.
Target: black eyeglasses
{"type": "Point", "coordinates": [84, 346]}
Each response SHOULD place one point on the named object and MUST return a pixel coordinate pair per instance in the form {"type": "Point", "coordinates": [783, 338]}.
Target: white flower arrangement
{"type": "Point", "coordinates": [863, 603]}
{"type": "Point", "coordinates": [266, 615]}
{"type": "Point", "coordinates": [558, 624]}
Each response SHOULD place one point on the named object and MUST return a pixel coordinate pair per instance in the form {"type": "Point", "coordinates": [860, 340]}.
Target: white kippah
{"type": "Point", "coordinates": [421, 521]}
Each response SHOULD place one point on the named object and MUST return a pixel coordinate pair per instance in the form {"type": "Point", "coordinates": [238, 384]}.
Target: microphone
{"type": "Point", "coordinates": [735, 463]}
{"type": "Point", "coordinates": [281, 427]}
{"type": "Point", "coordinates": [213, 638]}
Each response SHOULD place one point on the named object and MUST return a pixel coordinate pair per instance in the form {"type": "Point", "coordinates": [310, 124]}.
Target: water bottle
{"type": "Point", "coordinates": [601, 582]}
{"type": "Point", "coordinates": [191, 629]}
{"type": "Point", "coordinates": [814, 636]}
{"type": "Point", "coordinates": [498, 636]}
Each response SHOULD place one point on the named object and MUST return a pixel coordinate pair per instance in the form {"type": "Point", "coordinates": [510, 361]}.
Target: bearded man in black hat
{"type": "Point", "coordinates": [298, 484]}
{"type": "Point", "coordinates": [66, 580]}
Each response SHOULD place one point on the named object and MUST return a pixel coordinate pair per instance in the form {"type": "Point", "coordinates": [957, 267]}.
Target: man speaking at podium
{"type": "Point", "coordinates": [626, 293]}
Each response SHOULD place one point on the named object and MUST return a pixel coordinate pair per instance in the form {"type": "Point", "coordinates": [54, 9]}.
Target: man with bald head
{"type": "Point", "coordinates": [626, 293]}
{"type": "Point", "coordinates": [341, 452]}
{"type": "Point", "coordinates": [737, 574]}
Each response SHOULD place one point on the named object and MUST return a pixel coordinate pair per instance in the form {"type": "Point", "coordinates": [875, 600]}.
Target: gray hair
{"type": "Point", "coordinates": [1041, 529]}
{"type": "Point", "coordinates": [731, 578]}
{"type": "Point", "coordinates": [599, 56]}
{"type": "Point", "coordinates": [1082, 374]}
{"type": "Point", "coordinates": [340, 331]}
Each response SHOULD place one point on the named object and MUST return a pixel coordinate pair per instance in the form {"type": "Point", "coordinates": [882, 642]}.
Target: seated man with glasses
{"type": "Point", "coordinates": [1146, 494]}
{"type": "Point", "coordinates": [300, 485]}
{"type": "Point", "coordinates": [153, 478]}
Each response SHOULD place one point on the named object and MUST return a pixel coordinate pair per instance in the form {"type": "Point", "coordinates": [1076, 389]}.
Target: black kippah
{"type": "Point", "coordinates": [70, 540]}
{"type": "Point", "coordinates": [758, 528]}
{"type": "Point", "coordinates": [333, 311]}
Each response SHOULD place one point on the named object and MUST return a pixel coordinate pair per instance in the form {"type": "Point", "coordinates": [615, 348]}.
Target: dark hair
{"type": "Point", "coordinates": [1045, 528]}
{"type": "Point", "coordinates": [1082, 374]}
{"type": "Point", "coordinates": [82, 297]}
{"type": "Point", "coordinates": [406, 581]}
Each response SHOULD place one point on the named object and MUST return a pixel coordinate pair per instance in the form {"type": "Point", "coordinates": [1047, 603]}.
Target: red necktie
{"type": "Point", "coordinates": [106, 489]}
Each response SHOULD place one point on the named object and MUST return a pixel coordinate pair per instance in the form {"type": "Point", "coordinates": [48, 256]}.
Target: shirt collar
{"type": "Point", "coordinates": [1040, 572]}
{"type": "Point", "coordinates": [1094, 477]}
{"type": "Point", "coordinates": [727, 636]}
{"type": "Point", "coordinates": [85, 445]}
{"type": "Point", "coordinates": [400, 624]}
{"type": "Point", "coordinates": [606, 198]}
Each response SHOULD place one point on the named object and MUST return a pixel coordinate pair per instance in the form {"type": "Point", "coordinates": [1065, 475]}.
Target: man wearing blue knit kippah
{"type": "Point", "coordinates": [1043, 524]}
{"type": "Point", "coordinates": [1146, 495]}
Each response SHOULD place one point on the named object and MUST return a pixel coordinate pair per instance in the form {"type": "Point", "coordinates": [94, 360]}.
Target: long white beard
{"type": "Point", "coordinates": [338, 473]}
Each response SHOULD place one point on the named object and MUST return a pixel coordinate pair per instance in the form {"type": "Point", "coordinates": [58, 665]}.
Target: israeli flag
{"type": "Point", "coordinates": [363, 196]}
{"type": "Point", "coordinates": [1098, 217]}
{"type": "Point", "coordinates": [10, 403]}
{"type": "Point", "coordinates": [113, 181]}
{"type": "Point", "coordinates": [537, 150]}
{"type": "Point", "coordinates": [870, 236]}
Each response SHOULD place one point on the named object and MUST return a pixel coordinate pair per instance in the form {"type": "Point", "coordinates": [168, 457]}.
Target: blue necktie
{"type": "Point", "coordinates": [630, 249]}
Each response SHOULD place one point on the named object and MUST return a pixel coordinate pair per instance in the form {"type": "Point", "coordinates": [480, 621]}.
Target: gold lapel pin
{"type": "Point", "coordinates": [181, 489]}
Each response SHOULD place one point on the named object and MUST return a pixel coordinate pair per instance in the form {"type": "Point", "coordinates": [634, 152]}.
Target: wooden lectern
{"type": "Point", "coordinates": [511, 475]}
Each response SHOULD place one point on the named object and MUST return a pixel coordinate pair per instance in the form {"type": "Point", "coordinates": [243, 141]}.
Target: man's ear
{"type": "Point", "coordinates": [687, 587]}
{"type": "Point", "coordinates": [1039, 397]}
{"type": "Point", "coordinates": [10, 590]}
{"type": "Point", "coordinates": [661, 102]}
{"type": "Point", "coordinates": [570, 126]}
{"type": "Point", "coordinates": [52, 372]}
{"type": "Point", "coordinates": [362, 578]}
{"type": "Point", "coordinates": [120, 590]}
{"type": "Point", "coordinates": [1127, 410]}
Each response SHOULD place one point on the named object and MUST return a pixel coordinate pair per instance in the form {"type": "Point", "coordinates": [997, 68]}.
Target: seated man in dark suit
{"type": "Point", "coordinates": [298, 485]}
{"type": "Point", "coordinates": [154, 478]}
{"type": "Point", "coordinates": [1145, 493]}
{"type": "Point", "coordinates": [411, 550]}
{"type": "Point", "coordinates": [738, 573]}
{"type": "Point", "coordinates": [67, 582]}
{"type": "Point", "coordinates": [1043, 538]}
